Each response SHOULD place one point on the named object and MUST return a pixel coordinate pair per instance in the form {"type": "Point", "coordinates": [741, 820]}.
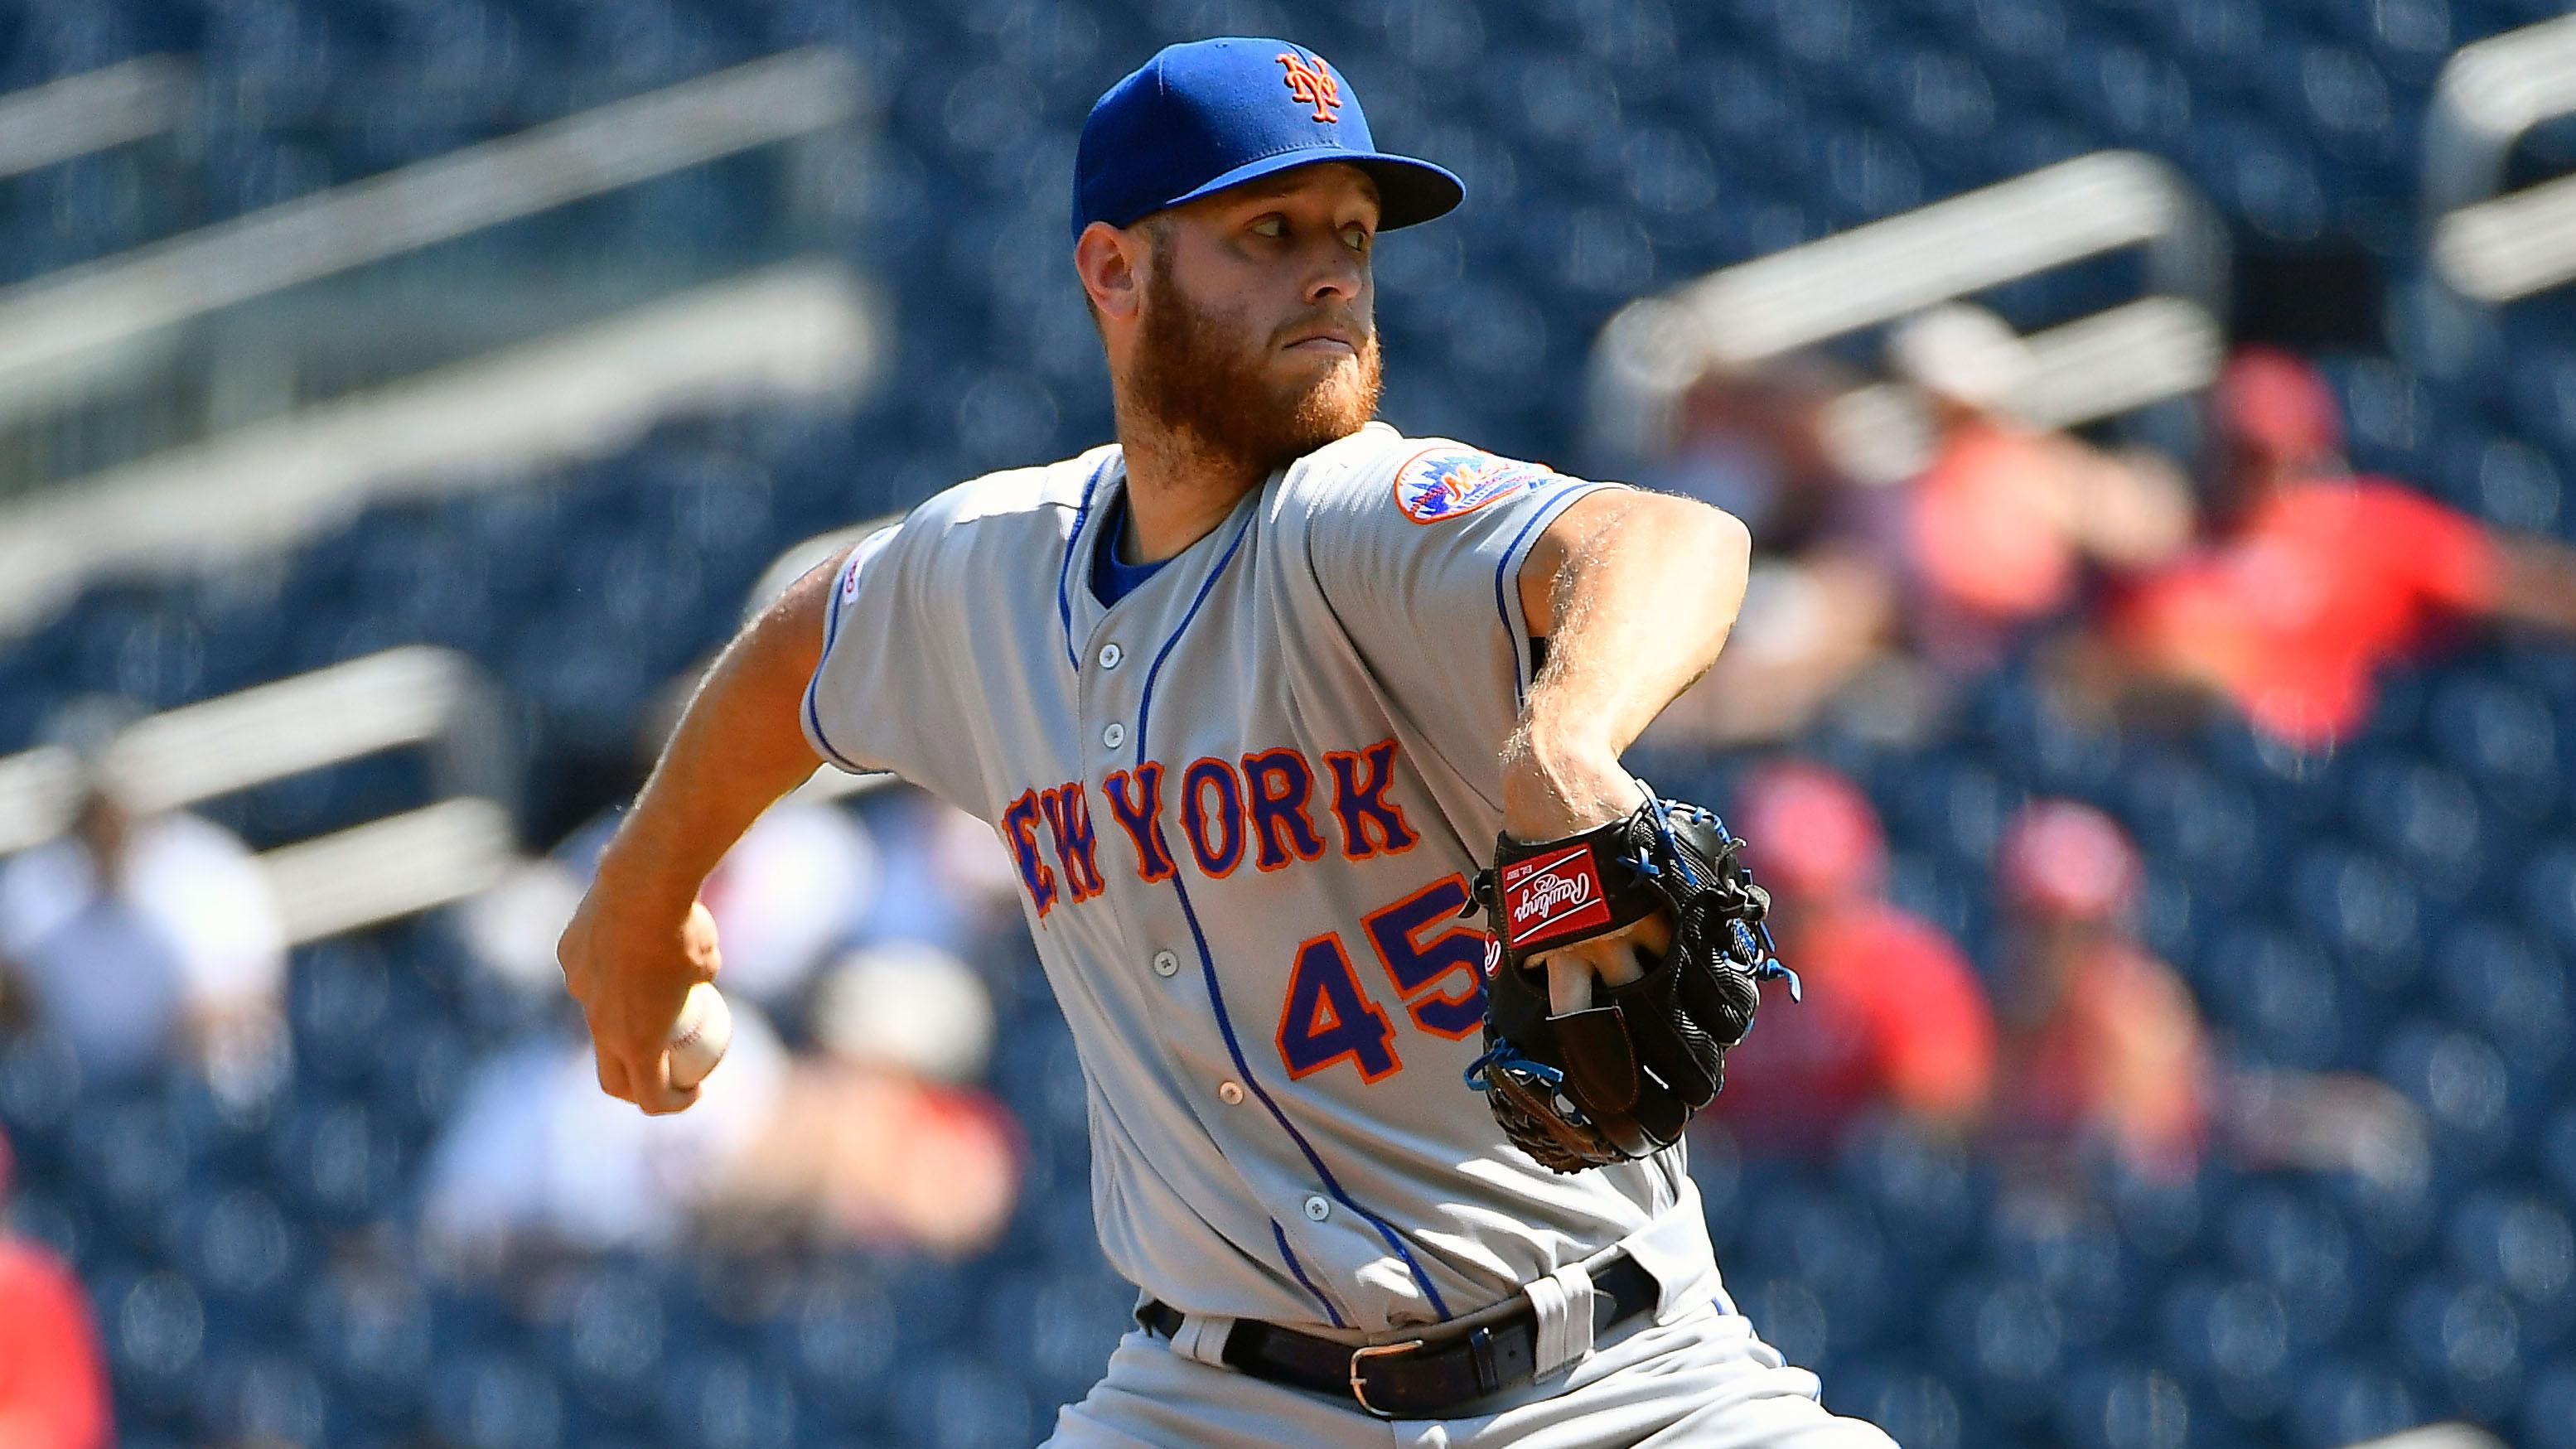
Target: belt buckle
{"type": "Point", "coordinates": [1360, 1356]}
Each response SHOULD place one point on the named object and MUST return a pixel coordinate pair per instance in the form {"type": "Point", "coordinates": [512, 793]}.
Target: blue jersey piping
{"type": "Point", "coordinates": [1064, 571]}
{"type": "Point", "coordinates": [1503, 571]}
{"type": "Point", "coordinates": [1281, 1238]}
{"type": "Point", "coordinates": [813, 715]}
{"type": "Point", "coordinates": [1207, 963]}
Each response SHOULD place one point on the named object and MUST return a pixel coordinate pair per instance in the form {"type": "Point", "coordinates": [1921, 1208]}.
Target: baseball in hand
{"type": "Point", "coordinates": [700, 1036]}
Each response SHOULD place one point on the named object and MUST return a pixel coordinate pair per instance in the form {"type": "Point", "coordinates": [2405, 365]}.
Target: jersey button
{"type": "Point", "coordinates": [1318, 1208]}
{"type": "Point", "coordinates": [1115, 735]}
{"type": "Point", "coordinates": [1230, 1093]}
{"type": "Point", "coordinates": [1110, 655]}
{"type": "Point", "coordinates": [1166, 964]}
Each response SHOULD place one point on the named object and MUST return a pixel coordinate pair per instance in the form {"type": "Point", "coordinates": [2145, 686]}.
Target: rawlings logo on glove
{"type": "Point", "coordinates": [1555, 896]}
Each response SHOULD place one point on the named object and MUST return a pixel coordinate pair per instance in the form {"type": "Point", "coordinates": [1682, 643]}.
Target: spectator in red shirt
{"type": "Point", "coordinates": [2309, 580]}
{"type": "Point", "coordinates": [2104, 1051]}
{"type": "Point", "coordinates": [1894, 1018]}
{"type": "Point", "coordinates": [52, 1392]}
{"type": "Point", "coordinates": [2004, 522]}
{"type": "Point", "coordinates": [2102, 1043]}
{"type": "Point", "coordinates": [1820, 607]}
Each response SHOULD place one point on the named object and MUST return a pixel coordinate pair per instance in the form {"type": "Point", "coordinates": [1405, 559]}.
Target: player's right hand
{"type": "Point", "coordinates": [1548, 796]}
{"type": "Point", "coordinates": [1612, 960]}
{"type": "Point", "coordinates": [630, 967]}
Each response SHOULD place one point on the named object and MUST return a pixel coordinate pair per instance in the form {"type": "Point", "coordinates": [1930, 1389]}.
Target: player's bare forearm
{"type": "Point", "coordinates": [1635, 594]}
{"type": "Point", "coordinates": [640, 939]}
{"type": "Point", "coordinates": [736, 750]}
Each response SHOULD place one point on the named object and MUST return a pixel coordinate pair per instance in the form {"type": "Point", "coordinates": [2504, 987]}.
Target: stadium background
{"type": "Point", "coordinates": [284, 385]}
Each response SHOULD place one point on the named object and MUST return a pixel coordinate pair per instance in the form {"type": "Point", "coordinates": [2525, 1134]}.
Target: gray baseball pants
{"type": "Point", "coordinates": [1701, 1379]}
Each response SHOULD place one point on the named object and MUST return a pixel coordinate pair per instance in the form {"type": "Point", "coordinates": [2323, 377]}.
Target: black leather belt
{"type": "Point", "coordinates": [1418, 1378]}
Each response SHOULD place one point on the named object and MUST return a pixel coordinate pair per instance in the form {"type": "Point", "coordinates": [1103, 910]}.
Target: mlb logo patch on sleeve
{"type": "Point", "coordinates": [1443, 483]}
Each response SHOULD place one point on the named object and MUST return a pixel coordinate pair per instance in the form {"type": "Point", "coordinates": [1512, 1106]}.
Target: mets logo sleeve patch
{"type": "Point", "coordinates": [1417, 545]}
{"type": "Point", "coordinates": [1448, 482]}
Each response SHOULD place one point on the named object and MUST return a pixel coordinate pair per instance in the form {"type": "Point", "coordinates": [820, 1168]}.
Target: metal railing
{"type": "Point", "coordinates": [2492, 248]}
{"type": "Point", "coordinates": [432, 699]}
{"type": "Point", "coordinates": [2162, 345]}
{"type": "Point", "coordinates": [798, 330]}
{"type": "Point", "coordinates": [59, 330]}
{"type": "Point", "coordinates": [94, 111]}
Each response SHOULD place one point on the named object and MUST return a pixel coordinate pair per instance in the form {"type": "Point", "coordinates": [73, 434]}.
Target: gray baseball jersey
{"type": "Point", "coordinates": [1245, 802]}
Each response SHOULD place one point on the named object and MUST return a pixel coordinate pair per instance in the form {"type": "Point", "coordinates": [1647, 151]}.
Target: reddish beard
{"type": "Point", "coordinates": [1194, 377]}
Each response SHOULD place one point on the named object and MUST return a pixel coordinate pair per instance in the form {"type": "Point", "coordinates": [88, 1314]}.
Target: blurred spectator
{"type": "Point", "coordinates": [53, 1389]}
{"type": "Point", "coordinates": [876, 1136]}
{"type": "Point", "coordinates": [1998, 532]}
{"type": "Point", "coordinates": [798, 886]}
{"type": "Point", "coordinates": [2102, 1045]}
{"type": "Point", "coordinates": [884, 1139]}
{"type": "Point", "coordinates": [1751, 440]}
{"type": "Point", "coordinates": [1819, 606]}
{"type": "Point", "coordinates": [1893, 1017]}
{"type": "Point", "coordinates": [2002, 523]}
{"type": "Point", "coordinates": [879, 1138]}
{"type": "Point", "coordinates": [792, 891]}
{"type": "Point", "coordinates": [139, 934]}
{"type": "Point", "coordinates": [512, 926]}
{"type": "Point", "coordinates": [944, 880]}
{"type": "Point", "coordinates": [2104, 1049]}
{"type": "Point", "coordinates": [537, 1162]}
{"type": "Point", "coordinates": [2308, 580]}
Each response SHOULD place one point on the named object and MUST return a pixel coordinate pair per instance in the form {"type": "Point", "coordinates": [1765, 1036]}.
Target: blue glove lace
{"type": "Point", "coordinates": [1506, 1057]}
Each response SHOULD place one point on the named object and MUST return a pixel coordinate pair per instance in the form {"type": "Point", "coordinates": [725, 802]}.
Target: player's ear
{"type": "Point", "coordinates": [1108, 261]}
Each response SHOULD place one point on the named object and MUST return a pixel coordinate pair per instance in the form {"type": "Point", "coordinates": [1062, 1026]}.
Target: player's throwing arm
{"type": "Point", "coordinates": [1645, 900]}
{"type": "Point", "coordinates": [640, 939]}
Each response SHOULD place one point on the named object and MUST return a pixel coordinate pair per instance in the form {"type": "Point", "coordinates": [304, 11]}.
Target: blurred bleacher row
{"type": "Point", "coordinates": [2406, 907]}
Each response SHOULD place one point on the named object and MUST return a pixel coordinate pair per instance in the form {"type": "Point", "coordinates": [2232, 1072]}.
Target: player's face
{"type": "Point", "coordinates": [1256, 333]}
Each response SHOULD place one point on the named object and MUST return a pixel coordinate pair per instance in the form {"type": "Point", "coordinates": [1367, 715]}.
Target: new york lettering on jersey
{"type": "Point", "coordinates": [1268, 808]}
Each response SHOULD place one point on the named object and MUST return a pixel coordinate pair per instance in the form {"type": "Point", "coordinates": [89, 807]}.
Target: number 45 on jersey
{"type": "Point", "coordinates": [1435, 965]}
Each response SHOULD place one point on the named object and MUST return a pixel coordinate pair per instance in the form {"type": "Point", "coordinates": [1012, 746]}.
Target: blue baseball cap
{"type": "Point", "coordinates": [1210, 114]}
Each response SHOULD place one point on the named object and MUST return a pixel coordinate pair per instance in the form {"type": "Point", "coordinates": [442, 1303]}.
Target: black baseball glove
{"type": "Point", "coordinates": [1617, 1080]}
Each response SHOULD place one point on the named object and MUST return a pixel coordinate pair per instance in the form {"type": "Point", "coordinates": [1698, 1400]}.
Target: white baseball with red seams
{"type": "Point", "coordinates": [700, 1035]}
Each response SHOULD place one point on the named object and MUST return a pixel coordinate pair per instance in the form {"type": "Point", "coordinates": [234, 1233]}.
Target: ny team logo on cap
{"type": "Point", "coordinates": [1313, 85]}
{"type": "Point", "coordinates": [1206, 115]}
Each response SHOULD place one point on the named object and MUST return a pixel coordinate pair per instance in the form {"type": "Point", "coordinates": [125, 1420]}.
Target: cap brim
{"type": "Point", "coordinates": [1408, 191]}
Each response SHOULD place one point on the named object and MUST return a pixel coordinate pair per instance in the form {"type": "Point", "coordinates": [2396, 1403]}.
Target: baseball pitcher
{"type": "Point", "coordinates": [1392, 989]}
